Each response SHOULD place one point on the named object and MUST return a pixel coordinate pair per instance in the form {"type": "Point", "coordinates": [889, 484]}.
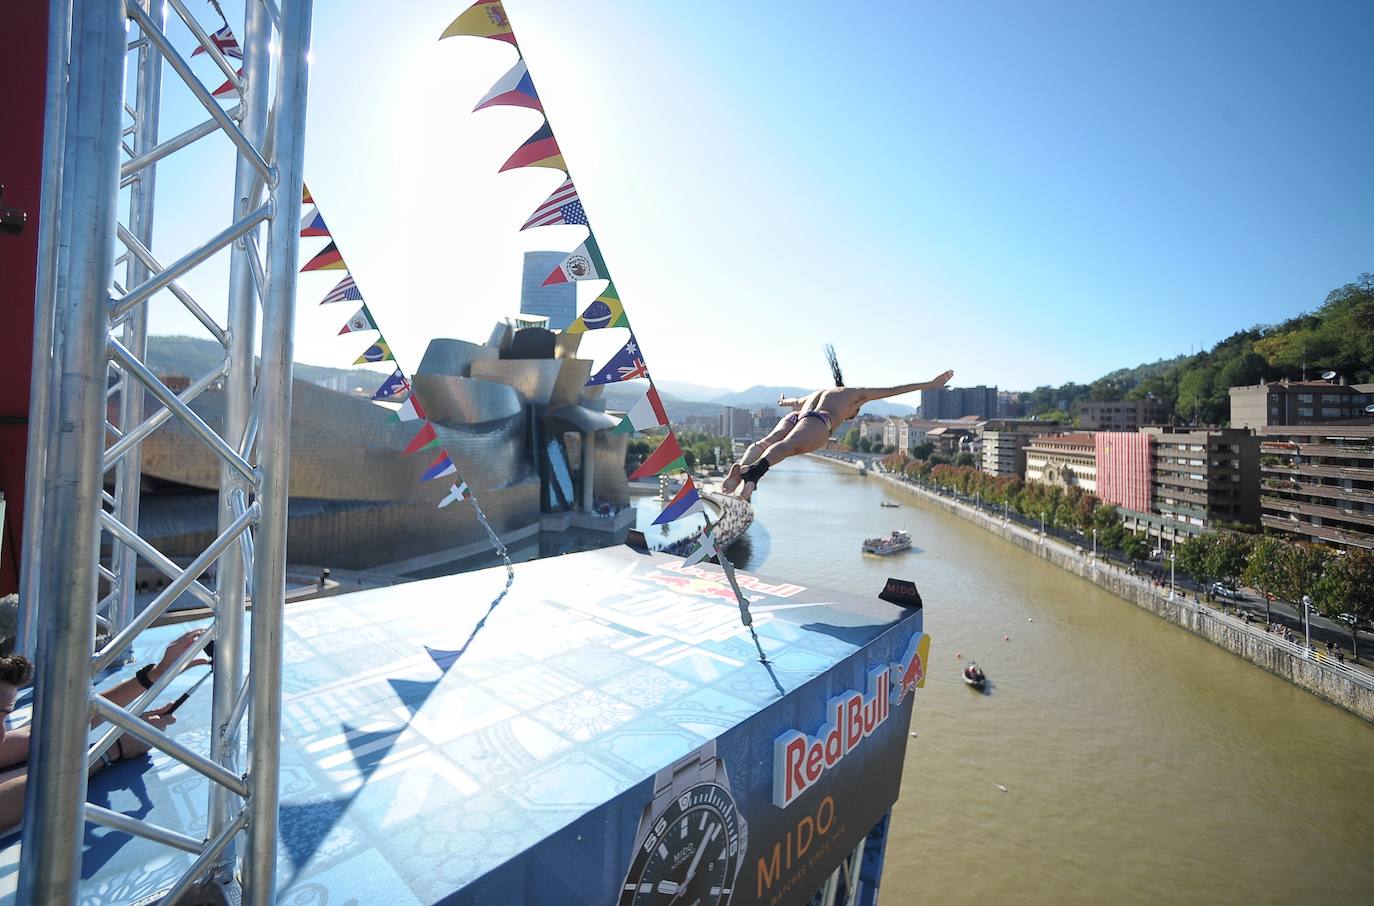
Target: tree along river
{"type": "Point", "coordinates": [1141, 764]}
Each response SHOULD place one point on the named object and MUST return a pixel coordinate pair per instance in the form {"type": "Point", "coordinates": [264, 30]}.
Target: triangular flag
{"type": "Point", "coordinates": [583, 264]}
{"type": "Point", "coordinates": [484, 19]}
{"type": "Point", "coordinates": [377, 352]}
{"type": "Point", "coordinates": [362, 320]}
{"type": "Point", "coordinates": [539, 150]}
{"type": "Point", "coordinates": [227, 89]}
{"type": "Point", "coordinates": [410, 410]}
{"type": "Point", "coordinates": [226, 42]}
{"type": "Point", "coordinates": [328, 259]}
{"type": "Point", "coordinates": [456, 492]}
{"type": "Point", "coordinates": [666, 458]}
{"type": "Point", "coordinates": [563, 207]}
{"type": "Point", "coordinates": [605, 311]}
{"type": "Point", "coordinates": [345, 291]}
{"type": "Point", "coordinates": [305, 195]}
{"type": "Point", "coordinates": [625, 365]}
{"type": "Point", "coordinates": [312, 224]}
{"type": "Point", "coordinates": [427, 437]}
{"type": "Point", "coordinates": [706, 548]}
{"type": "Point", "coordinates": [647, 413]}
{"type": "Point", "coordinates": [392, 386]}
{"type": "Point", "coordinates": [439, 468]}
{"type": "Point", "coordinates": [514, 89]}
{"type": "Point", "coordinates": [687, 502]}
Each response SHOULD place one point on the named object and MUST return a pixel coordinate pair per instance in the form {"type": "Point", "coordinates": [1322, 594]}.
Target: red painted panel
{"type": "Point", "coordinates": [23, 62]}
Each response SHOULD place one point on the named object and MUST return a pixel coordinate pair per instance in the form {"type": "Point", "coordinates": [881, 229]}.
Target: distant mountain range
{"type": "Point", "coordinates": [192, 356]}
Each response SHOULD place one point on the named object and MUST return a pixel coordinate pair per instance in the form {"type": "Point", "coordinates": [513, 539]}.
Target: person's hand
{"type": "Point", "coordinates": [131, 746]}
{"type": "Point", "coordinates": [942, 380]}
{"type": "Point", "coordinates": [176, 650]}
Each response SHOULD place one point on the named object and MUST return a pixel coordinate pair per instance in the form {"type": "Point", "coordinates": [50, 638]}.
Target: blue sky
{"type": "Point", "coordinates": [1025, 193]}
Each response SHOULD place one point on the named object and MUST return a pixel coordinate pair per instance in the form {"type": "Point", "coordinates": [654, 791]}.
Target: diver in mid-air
{"type": "Point", "coordinates": [808, 427]}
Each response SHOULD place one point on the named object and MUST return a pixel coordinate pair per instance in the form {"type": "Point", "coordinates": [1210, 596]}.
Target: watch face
{"type": "Point", "coordinates": [690, 856]}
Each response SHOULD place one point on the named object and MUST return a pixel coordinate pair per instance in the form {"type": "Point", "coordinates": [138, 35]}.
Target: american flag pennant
{"type": "Point", "coordinates": [361, 320]}
{"type": "Point", "coordinates": [456, 492]}
{"type": "Point", "coordinates": [345, 291]}
{"type": "Point", "coordinates": [312, 224]}
{"type": "Point", "coordinates": [426, 438]}
{"type": "Point", "coordinates": [226, 42]}
{"type": "Point", "coordinates": [439, 468]}
{"type": "Point", "coordinates": [392, 387]}
{"type": "Point", "coordinates": [562, 207]}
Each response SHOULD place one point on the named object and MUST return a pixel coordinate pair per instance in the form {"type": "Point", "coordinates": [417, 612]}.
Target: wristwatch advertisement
{"type": "Point", "coordinates": [691, 840]}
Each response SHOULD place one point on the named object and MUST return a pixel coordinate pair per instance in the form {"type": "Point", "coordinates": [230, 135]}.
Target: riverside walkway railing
{"type": "Point", "coordinates": [1011, 521]}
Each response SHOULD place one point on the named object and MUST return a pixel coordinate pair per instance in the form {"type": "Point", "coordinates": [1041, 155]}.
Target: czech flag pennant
{"type": "Point", "coordinates": [585, 263]}
{"type": "Point", "coordinates": [312, 224]}
{"type": "Point", "coordinates": [687, 502]}
{"type": "Point", "coordinates": [392, 387]}
{"type": "Point", "coordinates": [361, 320]}
{"type": "Point", "coordinates": [328, 259]}
{"type": "Point", "coordinates": [427, 438]}
{"type": "Point", "coordinates": [625, 365]}
{"type": "Point", "coordinates": [410, 410]}
{"type": "Point", "coordinates": [377, 352]}
{"type": "Point", "coordinates": [456, 492]}
{"type": "Point", "coordinates": [647, 413]}
{"type": "Point", "coordinates": [539, 150]}
{"type": "Point", "coordinates": [514, 89]}
{"type": "Point", "coordinates": [484, 19]}
{"type": "Point", "coordinates": [604, 311]}
{"type": "Point", "coordinates": [705, 548]}
{"type": "Point", "coordinates": [439, 468]}
{"type": "Point", "coordinates": [666, 458]}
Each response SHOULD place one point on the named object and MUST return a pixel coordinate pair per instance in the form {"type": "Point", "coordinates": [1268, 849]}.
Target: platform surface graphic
{"type": "Point", "coordinates": [525, 769]}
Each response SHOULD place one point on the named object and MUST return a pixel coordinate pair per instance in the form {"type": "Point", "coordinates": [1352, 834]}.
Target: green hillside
{"type": "Point", "coordinates": [1338, 336]}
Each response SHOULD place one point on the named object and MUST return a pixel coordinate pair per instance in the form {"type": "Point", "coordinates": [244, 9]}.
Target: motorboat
{"type": "Point", "coordinates": [891, 544]}
{"type": "Point", "coordinates": [891, 506]}
{"type": "Point", "coordinates": [974, 676]}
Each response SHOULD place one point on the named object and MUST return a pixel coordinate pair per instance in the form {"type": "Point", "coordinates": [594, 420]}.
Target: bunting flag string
{"type": "Point", "coordinates": [345, 291]}
{"type": "Point", "coordinates": [361, 320]}
{"type": "Point", "coordinates": [604, 311]}
{"type": "Point", "coordinates": [488, 19]}
{"type": "Point", "coordinates": [514, 89]}
{"type": "Point", "coordinates": [562, 207]}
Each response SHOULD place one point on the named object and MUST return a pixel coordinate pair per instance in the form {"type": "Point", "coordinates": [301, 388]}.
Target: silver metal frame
{"type": "Point", "coordinates": [89, 420]}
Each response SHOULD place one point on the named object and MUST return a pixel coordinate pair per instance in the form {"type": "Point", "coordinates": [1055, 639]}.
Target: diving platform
{"type": "Point", "coordinates": [609, 735]}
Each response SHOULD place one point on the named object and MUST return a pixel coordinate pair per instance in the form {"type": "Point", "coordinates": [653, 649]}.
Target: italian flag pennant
{"type": "Point", "coordinates": [647, 413]}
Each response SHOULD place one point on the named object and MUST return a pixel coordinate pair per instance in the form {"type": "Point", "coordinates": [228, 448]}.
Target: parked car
{"type": "Point", "coordinates": [1222, 590]}
{"type": "Point", "coordinates": [1350, 619]}
{"type": "Point", "coordinates": [1157, 554]}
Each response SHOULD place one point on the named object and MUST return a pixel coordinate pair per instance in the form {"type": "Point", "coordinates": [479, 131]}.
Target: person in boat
{"type": "Point", "coordinates": [808, 427]}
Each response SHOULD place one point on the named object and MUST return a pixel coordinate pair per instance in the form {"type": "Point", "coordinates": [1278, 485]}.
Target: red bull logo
{"type": "Point", "coordinates": [800, 761]}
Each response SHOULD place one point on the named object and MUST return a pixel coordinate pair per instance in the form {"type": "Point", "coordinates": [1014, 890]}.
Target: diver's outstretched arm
{"type": "Point", "coordinates": [868, 394]}
{"type": "Point", "coordinates": [791, 402]}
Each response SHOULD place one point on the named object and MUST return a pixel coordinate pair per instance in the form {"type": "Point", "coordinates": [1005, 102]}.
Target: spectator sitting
{"type": "Point", "coordinates": [17, 671]}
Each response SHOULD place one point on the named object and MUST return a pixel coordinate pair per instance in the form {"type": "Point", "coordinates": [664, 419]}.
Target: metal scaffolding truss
{"type": "Point", "coordinates": [95, 401]}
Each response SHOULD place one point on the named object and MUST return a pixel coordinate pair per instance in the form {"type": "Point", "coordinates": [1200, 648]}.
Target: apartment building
{"type": "Point", "coordinates": [1004, 444]}
{"type": "Point", "coordinates": [1317, 482]}
{"type": "Point", "coordinates": [1063, 460]}
{"type": "Point", "coordinates": [1202, 477]}
{"type": "Point", "coordinates": [1122, 415]}
{"type": "Point", "coordinates": [1298, 403]}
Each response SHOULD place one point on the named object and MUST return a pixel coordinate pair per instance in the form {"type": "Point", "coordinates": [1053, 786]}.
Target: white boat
{"type": "Point", "coordinates": [897, 541]}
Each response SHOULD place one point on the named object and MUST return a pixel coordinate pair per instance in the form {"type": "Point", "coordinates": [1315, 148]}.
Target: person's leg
{"type": "Point", "coordinates": [809, 434]}
{"type": "Point", "coordinates": [755, 451]}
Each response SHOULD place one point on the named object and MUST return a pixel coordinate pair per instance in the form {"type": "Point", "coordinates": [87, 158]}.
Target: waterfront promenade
{"type": "Point", "coordinates": [1344, 685]}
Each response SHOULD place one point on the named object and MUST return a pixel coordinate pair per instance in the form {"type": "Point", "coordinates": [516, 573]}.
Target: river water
{"type": "Point", "coordinates": [1141, 764]}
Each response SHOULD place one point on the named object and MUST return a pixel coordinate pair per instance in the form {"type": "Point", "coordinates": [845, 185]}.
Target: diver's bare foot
{"type": "Point", "coordinates": [748, 490]}
{"type": "Point", "coordinates": [731, 478]}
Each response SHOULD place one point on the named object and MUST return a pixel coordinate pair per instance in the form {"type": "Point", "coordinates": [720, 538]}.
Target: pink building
{"type": "Point", "coordinates": [1123, 469]}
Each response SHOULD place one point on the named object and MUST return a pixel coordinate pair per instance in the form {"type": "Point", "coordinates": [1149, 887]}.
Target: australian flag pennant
{"type": "Point", "coordinates": [625, 365]}
{"type": "Point", "coordinates": [393, 387]}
